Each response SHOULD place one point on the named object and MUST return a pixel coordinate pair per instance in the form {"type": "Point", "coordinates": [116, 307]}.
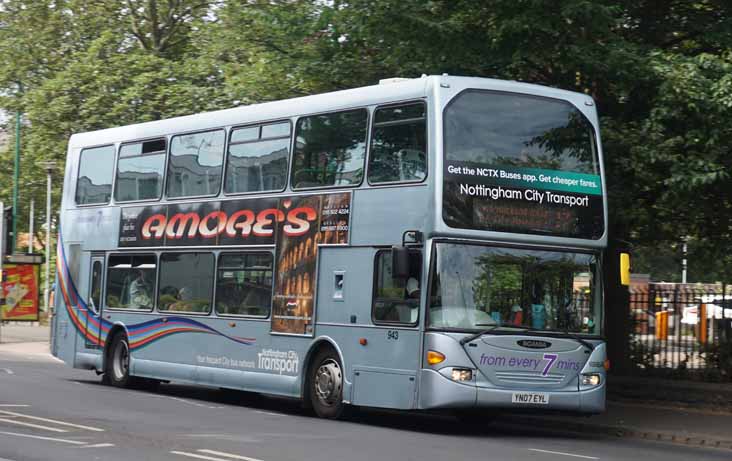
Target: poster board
{"type": "Point", "coordinates": [20, 292]}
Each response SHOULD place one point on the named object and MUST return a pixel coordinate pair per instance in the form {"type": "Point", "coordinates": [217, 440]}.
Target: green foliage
{"type": "Point", "coordinates": [718, 359]}
{"type": "Point", "coordinates": [661, 73]}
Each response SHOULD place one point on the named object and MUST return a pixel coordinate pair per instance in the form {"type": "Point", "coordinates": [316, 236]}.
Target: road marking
{"type": "Point", "coordinates": [38, 437]}
{"type": "Point", "coordinates": [12, 405]}
{"type": "Point", "coordinates": [7, 370]}
{"type": "Point", "coordinates": [197, 456]}
{"type": "Point", "coordinates": [268, 413]}
{"type": "Point", "coordinates": [227, 455]}
{"type": "Point", "coordinates": [563, 454]}
{"type": "Point", "coordinates": [98, 445]}
{"type": "Point", "coordinates": [54, 421]}
{"type": "Point", "coordinates": [37, 426]}
{"type": "Point", "coordinates": [178, 399]}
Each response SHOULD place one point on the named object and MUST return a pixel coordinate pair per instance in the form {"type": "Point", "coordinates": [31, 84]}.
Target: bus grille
{"type": "Point", "coordinates": [513, 377]}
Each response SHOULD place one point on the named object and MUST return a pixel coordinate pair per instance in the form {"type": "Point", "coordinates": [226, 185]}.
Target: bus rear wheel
{"type": "Point", "coordinates": [117, 366]}
{"type": "Point", "coordinates": [325, 385]}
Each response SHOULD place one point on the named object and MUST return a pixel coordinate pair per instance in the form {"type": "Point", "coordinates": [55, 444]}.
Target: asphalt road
{"type": "Point", "coordinates": [49, 411]}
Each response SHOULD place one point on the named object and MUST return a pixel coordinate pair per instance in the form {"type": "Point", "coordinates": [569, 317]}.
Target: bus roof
{"type": "Point", "coordinates": [325, 102]}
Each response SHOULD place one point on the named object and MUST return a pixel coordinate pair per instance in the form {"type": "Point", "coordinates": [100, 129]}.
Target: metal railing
{"type": "Point", "coordinates": [680, 328]}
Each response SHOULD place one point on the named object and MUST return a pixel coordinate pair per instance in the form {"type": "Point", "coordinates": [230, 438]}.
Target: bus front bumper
{"type": "Point", "coordinates": [438, 392]}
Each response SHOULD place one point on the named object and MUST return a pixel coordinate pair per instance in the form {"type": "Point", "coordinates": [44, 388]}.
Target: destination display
{"type": "Point", "coordinates": [525, 200]}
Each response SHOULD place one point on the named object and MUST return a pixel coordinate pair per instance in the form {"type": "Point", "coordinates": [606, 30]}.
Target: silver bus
{"type": "Point", "coordinates": [422, 244]}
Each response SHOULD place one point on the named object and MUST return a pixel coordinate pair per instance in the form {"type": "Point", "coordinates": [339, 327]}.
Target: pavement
{"type": "Point", "coordinates": [696, 417]}
{"type": "Point", "coordinates": [23, 332]}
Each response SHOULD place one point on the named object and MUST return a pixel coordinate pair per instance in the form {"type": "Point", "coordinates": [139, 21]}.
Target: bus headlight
{"type": "Point", "coordinates": [462, 374]}
{"type": "Point", "coordinates": [590, 379]}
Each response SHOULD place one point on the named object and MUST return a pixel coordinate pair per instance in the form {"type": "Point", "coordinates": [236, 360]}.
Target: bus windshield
{"type": "Point", "coordinates": [479, 287]}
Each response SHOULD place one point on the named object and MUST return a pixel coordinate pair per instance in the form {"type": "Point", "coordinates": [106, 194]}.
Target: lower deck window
{"type": "Point", "coordinates": [131, 281]}
{"type": "Point", "coordinates": [396, 300]}
{"type": "Point", "coordinates": [186, 282]}
{"type": "Point", "coordinates": [244, 284]}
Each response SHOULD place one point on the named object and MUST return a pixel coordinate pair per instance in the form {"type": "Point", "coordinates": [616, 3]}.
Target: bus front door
{"type": "Point", "coordinates": [377, 333]}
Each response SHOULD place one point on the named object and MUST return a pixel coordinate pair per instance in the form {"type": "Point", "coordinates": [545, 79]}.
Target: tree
{"type": "Point", "coordinates": [658, 70]}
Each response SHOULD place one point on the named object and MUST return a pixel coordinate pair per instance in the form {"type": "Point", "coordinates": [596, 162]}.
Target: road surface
{"type": "Point", "coordinates": [49, 411]}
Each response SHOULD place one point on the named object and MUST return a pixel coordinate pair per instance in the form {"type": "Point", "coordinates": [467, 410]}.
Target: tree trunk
{"type": "Point", "coordinates": [617, 310]}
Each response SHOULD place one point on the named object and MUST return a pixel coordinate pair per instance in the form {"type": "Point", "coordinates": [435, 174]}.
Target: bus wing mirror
{"type": "Point", "coordinates": [625, 269]}
{"type": "Point", "coordinates": [399, 262]}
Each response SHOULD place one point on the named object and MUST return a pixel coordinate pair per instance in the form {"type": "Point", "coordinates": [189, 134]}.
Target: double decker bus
{"type": "Point", "coordinates": [421, 244]}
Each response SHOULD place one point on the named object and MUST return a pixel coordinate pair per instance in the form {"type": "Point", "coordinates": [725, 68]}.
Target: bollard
{"type": "Point", "coordinates": [662, 325]}
{"type": "Point", "coordinates": [702, 324]}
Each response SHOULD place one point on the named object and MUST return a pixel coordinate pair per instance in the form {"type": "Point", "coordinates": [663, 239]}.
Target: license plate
{"type": "Point", "coordinates": [531, 398]}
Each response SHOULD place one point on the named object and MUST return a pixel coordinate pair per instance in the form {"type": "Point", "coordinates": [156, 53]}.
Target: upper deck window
{"type": "Point", "coordinates": [195, 164]}
{"type": "Point", "coordinates": [258, 158]}
{"type": "Point", "coordinates": [520, 163]}
{"type": "Point", "coordinates": [330, 149]}
{"type": "Point", "coordinates": [508, 129]}
{"type": "Point", "coordinates": [94, 184]}
{"type": "Point", "coordinates": [399, 144]}
{"type": "Point", "coordinates": [140, 171]}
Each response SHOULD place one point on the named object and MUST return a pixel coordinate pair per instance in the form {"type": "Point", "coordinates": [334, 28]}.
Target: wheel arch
{"type": "Point", "coordinates": [114, 331]}
{"type": "Point", "coordinates": [320, 343]}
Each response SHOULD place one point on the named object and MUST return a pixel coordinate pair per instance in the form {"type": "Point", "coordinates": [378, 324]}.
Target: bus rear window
{"type": "Point", "coordinates": [94, 184]}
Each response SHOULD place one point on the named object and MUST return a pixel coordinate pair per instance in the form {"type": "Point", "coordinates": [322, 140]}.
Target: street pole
{"type": "Point", "coordinates": [16, 175]}
{"type": "Point", "coordinates": [2, 256]}
{"type": "Point", "coordinates": [683, 262]}
{"type": "Point", "coordinates": [30, 226]}
{"type": "Point", "coordinates": [49, 166]}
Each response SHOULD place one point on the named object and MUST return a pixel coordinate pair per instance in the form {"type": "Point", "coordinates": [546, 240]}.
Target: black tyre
{"type": "Point", "coordinates": [117, 366]}
{"type": "Point", "coordinates": [325, 385]}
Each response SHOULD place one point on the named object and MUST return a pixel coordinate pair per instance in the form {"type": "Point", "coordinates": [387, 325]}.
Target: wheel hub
{"type": "Point", "coordinates": [328, 382]}
{"type": "Point", "coordinates": [121, 360]}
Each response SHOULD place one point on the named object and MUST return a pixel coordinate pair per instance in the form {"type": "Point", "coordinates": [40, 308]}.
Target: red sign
{"type": "Point", "coordinates": [20, 292]}
{"type": "Point", "coordinates": [231, 222]}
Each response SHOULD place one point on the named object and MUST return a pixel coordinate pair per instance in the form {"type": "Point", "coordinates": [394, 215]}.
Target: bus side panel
{"type": "Point", "coordinates": [82, 231]}
{"type": "Point", "coordinates": [63, 341]}
{"type": "Point", "coordinates": [380, 216]}
{"type": "Point", "coordinates": [88, 346]}
{"type": "Point", "coordinates": [379, 361]}
{"type": "Point", "coordinates": [67, 327]}
{"type": "Point", "coordinates": [236, 353]}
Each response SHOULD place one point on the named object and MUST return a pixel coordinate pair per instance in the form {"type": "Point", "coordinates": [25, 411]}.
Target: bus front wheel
{"type": "Point", "coordinates": [326, 385]}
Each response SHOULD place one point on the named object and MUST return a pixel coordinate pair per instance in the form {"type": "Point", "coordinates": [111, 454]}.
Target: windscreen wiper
{"type": "Point", "coordinates": [584, 342]}
{"type": "Point", "coordinates": [467, 339]}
